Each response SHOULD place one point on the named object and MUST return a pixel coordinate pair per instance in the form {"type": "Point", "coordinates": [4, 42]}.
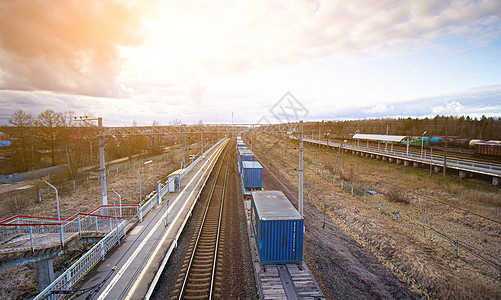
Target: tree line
{"type": "Point", "coordinates": [485, 128]}
{"type": "Point", "coordinates": [53, 138]}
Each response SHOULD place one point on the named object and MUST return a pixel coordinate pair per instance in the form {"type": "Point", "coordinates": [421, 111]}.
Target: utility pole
{"type": "Point", "coordinates": [342, 160]}
{"type": "Point", "coordinates": [252, 134]}
{"type": "Point", "coordinates": [102, 165]}
{"type": "Point", "coordinates": [140, 191]}
{"type": "Point", "coordinates": [185, 149]}
{"type": "Point", "coordinates": [300, 204]}
{"type": "Point", "coordinates": [386, 142]}
{"type": "Point", "coordinates": [445, 150]}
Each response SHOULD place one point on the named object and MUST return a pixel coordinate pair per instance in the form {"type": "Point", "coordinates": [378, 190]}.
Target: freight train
{"type": "Point", "coordinates": [271, 211]}
{"type": "Point", "coordinates": [479, 147]}
{"type": "Point", "coordinates": [251, 171]}
{"type": "Point", "coordinates": [276, 232]}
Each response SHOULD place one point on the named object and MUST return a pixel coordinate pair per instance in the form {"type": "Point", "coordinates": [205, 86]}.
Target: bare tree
{"type": "Point", "coordinates": [22, 135]}
{"type": "Point", "coordinates": [53, 130]}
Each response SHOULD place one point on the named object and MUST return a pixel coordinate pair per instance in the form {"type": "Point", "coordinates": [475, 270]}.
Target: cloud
{"type": "Point", "coordinates": [474, 102]}
{"type": "Point", "coordinates": [65, 45]}
{"type": "Point", "coordinates": [233, 37]}
{"type": "Point", "coordinates": [380, 108]}
{"type": "Point", "coordinates": [449, 106]}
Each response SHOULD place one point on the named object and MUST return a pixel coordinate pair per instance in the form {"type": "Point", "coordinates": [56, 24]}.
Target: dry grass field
{"type": "Point", "coordinates": [467, 211]}
{"type": "Point", "coordinates": [21, 282]}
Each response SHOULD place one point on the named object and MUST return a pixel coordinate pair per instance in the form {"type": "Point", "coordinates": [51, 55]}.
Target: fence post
{"type": "Point", "coordinates": [398, 215]}
{"type": "Point", "coordinates": [74, 185]}
{"type": "Point", "coordinates": [102, 249]}
{"type": "Point", "coordinates": [456, 246]}
{"type": "Point", "coordinates": [61, 234]}
{"type": "Point", "coordinates": [140, 214]}
{"type": "Point", "coordinates": [79, 225]}
{"type": "Point", "coordinates": [159, 199]}
{"type": "Point", "coordinates": [424, 231]}
{"type": "Point", "coordinates": [379, 205]}
{"type": "Point", "coordinates": [364, 196]}
{"type": "Point", "coordinates": [352, 190]}
{"type": "Point", "coordinates": [31, 239]}
{"type": "Point", "coordinates": [68, 280]}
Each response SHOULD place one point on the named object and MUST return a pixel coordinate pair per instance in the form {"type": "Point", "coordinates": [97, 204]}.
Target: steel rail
{"type": "Point", "coordinates": [192, 256]}
{"type": "Point", "coordinates": [219, 227]}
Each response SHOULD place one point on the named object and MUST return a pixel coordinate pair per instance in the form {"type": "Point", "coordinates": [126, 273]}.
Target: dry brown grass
{"type": "Point", "coordinates": [429, 260]}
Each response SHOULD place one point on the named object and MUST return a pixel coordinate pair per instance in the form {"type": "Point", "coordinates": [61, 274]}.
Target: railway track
{"type": "Point", "coordinates": [200, 276]}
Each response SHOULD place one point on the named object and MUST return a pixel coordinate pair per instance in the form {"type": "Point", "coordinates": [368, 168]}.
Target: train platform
{"type": "Point", "coordinates": [131, 270]}
{"type": "Point", "coordinates": [463, 167]}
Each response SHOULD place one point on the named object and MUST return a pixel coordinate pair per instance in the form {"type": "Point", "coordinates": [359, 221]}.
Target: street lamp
{"type": "Point", "coordinates": [57, 200]}
{"type": "Point", "coordinates": [119, 200]}
{"type": "Point", "coordinates": [140, 171]}
{"type": "Point", "coordinates": [422, 142]}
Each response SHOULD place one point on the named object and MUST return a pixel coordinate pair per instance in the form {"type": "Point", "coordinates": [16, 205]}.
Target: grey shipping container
{"type": "Point", "coordinates": [278, 228]}
{"type": "Point", "coordinates": [252, 173]}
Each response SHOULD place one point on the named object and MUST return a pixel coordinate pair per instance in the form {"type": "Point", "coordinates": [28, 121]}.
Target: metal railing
{"type": "Point", "coordinates": [77, 270]}
{"type": "Point", "coordinates": [415, 157]}
{"type": "Point", "coordinates": [20, 233]}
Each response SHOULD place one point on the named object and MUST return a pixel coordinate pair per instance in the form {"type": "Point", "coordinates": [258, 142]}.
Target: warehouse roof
{"type": "Point", "coordinates": [380, 137]}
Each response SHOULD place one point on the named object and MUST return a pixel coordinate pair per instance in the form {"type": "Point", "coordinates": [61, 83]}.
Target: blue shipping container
{"type": "Point", "coordinates": [244, 157]}
{"type": "Point", "coordinates": [244, 152]}
{"type": "Point", "coordinates": [436, 140]}
{"type": "Point", "coordinates": [252, 174]}
{"type": "Point", "coordinates": [278, 228]}
{"type": "Point", "coordinates": [240, 145]}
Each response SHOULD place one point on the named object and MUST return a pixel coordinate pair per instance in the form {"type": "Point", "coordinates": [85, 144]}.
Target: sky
{"type": "Point", "coordinates": [250, 61]}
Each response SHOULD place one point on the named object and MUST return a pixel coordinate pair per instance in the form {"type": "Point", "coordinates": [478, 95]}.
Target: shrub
{"type": "Point", "coordinates": [398, 196]}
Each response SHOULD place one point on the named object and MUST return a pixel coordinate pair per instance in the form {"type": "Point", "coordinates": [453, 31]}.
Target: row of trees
{"type": "Point", "coordinates": [486, 128]}
{"type": "Point", "coordinates": [31, 134]}
{"type": "Point", "coordinates": [52, 138]}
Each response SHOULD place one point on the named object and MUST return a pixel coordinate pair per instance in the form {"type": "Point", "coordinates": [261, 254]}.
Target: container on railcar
{"type": "Point", "coordinates": [435, 140]}
{"type": "Point", "coordinates": [252, 174]}
{"type": "Point", "coordinates": [278, 228]}
{"type": "Point", "coordinates": [244, 155]}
